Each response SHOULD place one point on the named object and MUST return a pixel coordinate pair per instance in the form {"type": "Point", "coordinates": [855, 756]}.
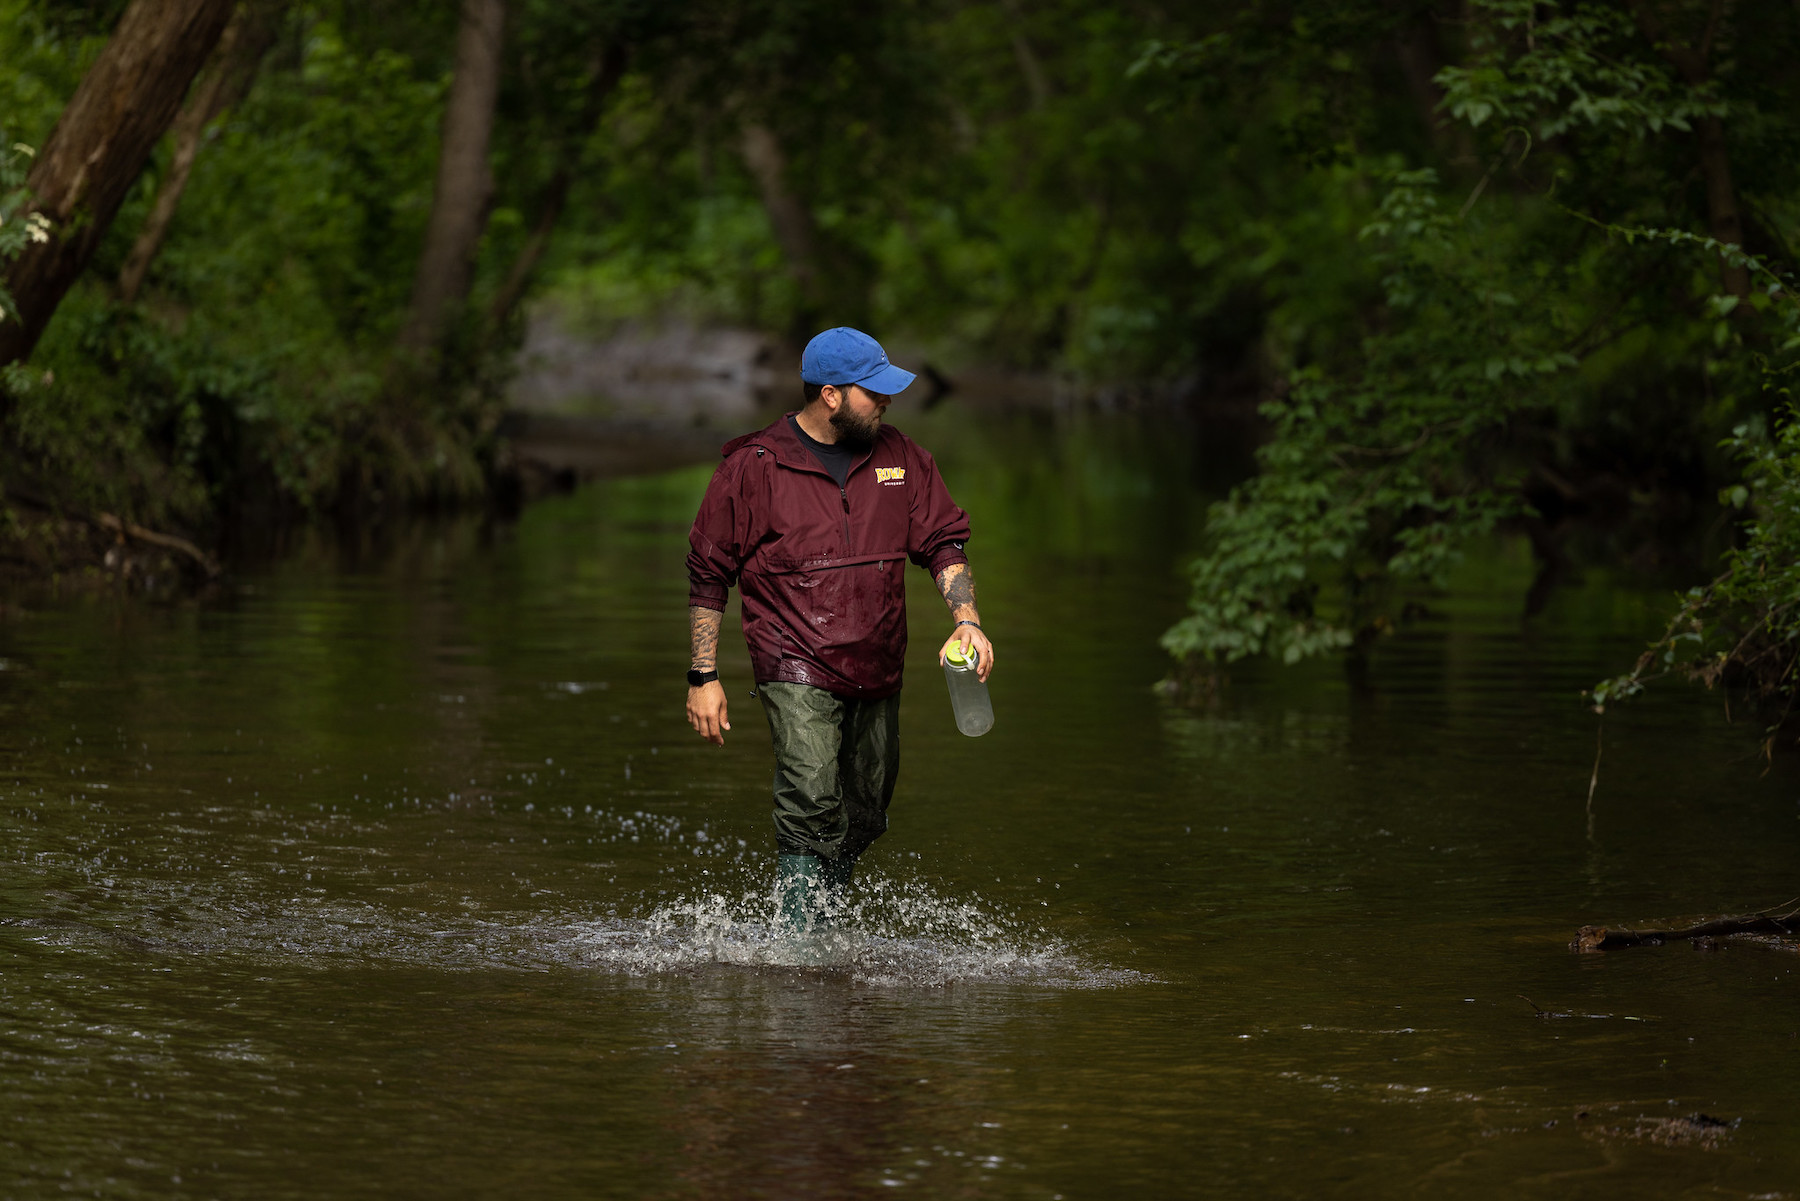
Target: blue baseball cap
{"type": "Point", "coordinates": [849, 356]}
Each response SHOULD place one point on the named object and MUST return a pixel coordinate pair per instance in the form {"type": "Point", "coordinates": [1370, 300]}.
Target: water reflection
{"type": "Point", "coordinates": [398, 870]}
{"type": "Point", "coordinates": [817, 1106]}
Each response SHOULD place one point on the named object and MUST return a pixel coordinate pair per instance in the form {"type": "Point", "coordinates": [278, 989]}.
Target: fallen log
{"type": "Point", "coordinates": [1784, 920]}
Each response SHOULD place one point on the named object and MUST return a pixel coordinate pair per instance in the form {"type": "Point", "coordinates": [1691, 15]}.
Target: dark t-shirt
{"type": "Point", "coordinates": [834, 457]}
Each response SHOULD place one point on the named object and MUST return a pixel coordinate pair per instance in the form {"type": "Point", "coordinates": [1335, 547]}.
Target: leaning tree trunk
{"type": "Point", "coordinates": [246, 39]}
{"type": "Point", "coordinates": [607, 72]}
{"type": "Point", "coordinates": [99, 146]}
{"type": "Point", "coordinates": [459, 201]}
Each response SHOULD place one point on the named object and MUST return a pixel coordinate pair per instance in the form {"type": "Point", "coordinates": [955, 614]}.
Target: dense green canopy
{"type": "Point", "coordinates": [1495, 264]}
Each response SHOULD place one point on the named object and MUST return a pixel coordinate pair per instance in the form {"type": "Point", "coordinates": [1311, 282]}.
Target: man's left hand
{"type": "Point", "coordinates": [969, 637]}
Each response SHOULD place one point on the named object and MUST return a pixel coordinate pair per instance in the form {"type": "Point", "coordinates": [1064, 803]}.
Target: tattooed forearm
{"type": "Point", "coordinates": [957, 583]}
{"type": "Point", "coordinates": [703, 636]}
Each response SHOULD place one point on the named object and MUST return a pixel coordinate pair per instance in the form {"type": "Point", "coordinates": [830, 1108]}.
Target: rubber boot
{"type": "Point", "coordinates": [800, 887]}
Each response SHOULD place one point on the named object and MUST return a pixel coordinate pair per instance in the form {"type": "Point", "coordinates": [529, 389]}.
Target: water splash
{"type": "Point", "coordinates": [295, 888]}
{"type": "Point", "coordinates": [890, 931]}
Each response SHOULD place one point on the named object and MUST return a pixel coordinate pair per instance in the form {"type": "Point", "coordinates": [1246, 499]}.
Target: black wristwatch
{"type": "Point", "coordinates": [696, 677]}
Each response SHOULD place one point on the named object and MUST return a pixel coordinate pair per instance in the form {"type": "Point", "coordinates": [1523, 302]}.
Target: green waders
{"type": "Point", "coordinates": [836, 761]}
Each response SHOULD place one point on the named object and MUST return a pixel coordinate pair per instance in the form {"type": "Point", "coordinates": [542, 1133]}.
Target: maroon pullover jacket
{"type": "Point", "coordinates": [820, 568]}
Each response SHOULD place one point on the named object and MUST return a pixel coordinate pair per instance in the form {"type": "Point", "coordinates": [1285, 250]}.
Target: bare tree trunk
{"type": "Point", "coordinates": [1725, 221]}
{"type": "Point", "coordinates": [464, 187]}
{"type": "Point", "coordinates": [789, 216]}
{"type": "Point", "coordinates": [607, 73]}
{"type": "Point", "coordinates": [99, 146]}
{"type": "Point", "coordinates": [246, 39]}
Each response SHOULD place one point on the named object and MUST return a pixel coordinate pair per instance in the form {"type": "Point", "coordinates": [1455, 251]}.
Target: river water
{"type": "Point", "coordinates": [396, 870]}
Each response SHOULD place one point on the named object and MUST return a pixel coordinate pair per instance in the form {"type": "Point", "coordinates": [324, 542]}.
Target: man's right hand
{"type": "Point", "coordinates": [706, 712]}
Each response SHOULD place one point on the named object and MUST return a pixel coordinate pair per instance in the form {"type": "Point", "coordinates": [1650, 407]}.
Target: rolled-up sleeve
{"type": "Point", "coordinates": [939, 527]}
{"type": "Point", "coordinates": [720, 539]}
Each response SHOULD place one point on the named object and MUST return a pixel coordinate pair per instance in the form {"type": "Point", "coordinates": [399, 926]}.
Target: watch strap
{"type": "Point", "coordinates": [697, 677]}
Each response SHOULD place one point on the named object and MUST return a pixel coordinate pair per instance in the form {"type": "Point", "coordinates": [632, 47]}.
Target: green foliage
{"type": "Point", "coordinates": [1469, 268]}
{"type": "Point", "coordinates": [18, 229]}
{"type": "Point", "coordinates": [1742, 627]}
{"type": "Point", "coordinates": [1070, 214]}
{"type": "Point", "coordinates": [1532, 323]}
{"type": "Point", "coordinates": [73, 438]}
{"type": "Point", "coordinates": [47, 47]}
{"type": "Point", "coordinates": [1583, 67]}
{"type": "Point", "coordinates": [254, 365]}
{"type": "Point", "coordinates": [281, 288]}
{"type": "Point", "coordinates": [1386, 475]}
{"type": "Point", "coordinates": [1011, 185]}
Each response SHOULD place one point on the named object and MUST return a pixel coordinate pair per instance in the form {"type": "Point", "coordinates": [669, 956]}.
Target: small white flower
{"type": "Point", "coordinates": [37, 227]}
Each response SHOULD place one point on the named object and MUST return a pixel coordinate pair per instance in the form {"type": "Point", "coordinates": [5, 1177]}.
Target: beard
{"type": "Point", "coordinates": [857, 433]}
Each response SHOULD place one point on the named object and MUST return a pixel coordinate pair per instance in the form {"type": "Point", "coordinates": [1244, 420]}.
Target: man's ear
{"type": "Point", "coordinates": [832, 397]}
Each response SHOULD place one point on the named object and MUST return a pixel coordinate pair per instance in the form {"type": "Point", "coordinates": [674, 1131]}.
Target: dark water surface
{"type": "Point", "coordinates": [399, 873]}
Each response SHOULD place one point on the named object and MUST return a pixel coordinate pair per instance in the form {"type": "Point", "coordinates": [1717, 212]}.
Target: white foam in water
{"type": "Point", "coordinates": [893, 932]}
{"type": "Point", "coordinates": [890, 932]}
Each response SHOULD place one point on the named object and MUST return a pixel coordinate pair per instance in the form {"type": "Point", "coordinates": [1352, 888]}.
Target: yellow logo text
{"type": "Point", "coordinates": [890, 475]}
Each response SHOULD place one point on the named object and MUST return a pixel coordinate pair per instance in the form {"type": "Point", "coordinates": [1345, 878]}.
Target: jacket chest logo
{"type": "Point", "coordinates": [890, 475]}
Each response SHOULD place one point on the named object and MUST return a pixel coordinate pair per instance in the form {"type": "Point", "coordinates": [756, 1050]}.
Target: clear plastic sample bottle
{"type": "Point", "coordinates": [968, 695]}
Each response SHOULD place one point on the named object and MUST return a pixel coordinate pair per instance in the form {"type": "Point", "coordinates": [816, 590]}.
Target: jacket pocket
{"type": "Point", "coordinates": [856, 604]}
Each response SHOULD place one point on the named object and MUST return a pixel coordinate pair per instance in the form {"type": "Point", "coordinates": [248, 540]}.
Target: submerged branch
{"type": "Point", "coordinates": [138, 533]}
{"type": "Point", "coordinates": [1782, 920]}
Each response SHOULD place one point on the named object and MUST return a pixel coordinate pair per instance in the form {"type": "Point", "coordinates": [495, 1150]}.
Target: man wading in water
{"type": "Point", "coordinates": [814, 519]}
